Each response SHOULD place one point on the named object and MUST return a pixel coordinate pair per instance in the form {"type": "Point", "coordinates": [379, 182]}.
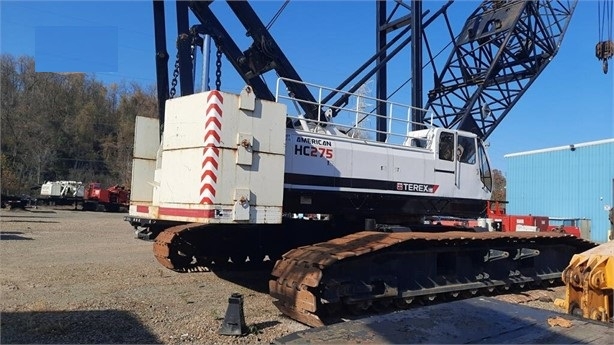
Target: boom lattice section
{"type": "Point", "coordinates": [501, 50]}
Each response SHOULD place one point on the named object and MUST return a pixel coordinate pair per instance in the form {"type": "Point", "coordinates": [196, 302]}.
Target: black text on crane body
{"type": "Point", "coordinates": [314, 141]}
{"type": "Point", "coordinates": [417, 187]}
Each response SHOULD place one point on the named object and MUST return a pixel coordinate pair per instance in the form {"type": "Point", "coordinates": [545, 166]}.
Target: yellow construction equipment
{"type": "Point", "coordinates": [589, 281]}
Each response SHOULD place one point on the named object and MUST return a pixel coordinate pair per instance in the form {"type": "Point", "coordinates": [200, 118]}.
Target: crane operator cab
{"type": "Point", "coordinates": [459, 160]}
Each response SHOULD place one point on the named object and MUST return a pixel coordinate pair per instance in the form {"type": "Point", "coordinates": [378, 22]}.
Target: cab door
{"type": "Point", "coordinates": [457, 171]}
{"type": "Point", "coordinates": [467, 171]}
{"type": "Point", "coordinates": [445, 164]}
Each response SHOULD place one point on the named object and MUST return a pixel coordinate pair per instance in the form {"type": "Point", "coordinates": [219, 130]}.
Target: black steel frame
{"type": "Point", "coordinates": [501, 50]}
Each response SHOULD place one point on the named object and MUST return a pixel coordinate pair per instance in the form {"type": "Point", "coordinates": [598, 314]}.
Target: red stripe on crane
{"type": "Point", "coordinates": [215, 107]}
{"type": "Point", "coordinates": [186, 212]}
{"type": "Point", "coordinates": [217, 122]}
{"type": "Point", "coordinates": [212, 133]}
{"type": "Point", "coordinates": [213, 128]}
{"type": "Point", "coordinates": [211, 160]}
{"type": "Point", "coordinates": [210, 174]}
{"type": "Point", "coordinates": [209, 187]}
{"type": "Point", "coordinates": [216, 94]}
{"type": "Point", "coordinates": [210, 147]}
{"type": "Point", "coordinates": [207, 201]}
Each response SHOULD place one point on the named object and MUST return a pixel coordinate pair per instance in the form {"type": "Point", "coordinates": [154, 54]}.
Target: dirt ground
{"type": "Point", "coordinates": [81, 277]}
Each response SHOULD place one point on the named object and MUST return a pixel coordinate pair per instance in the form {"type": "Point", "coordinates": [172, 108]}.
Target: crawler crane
{"type": "Point", "coordinates": [217, 175]}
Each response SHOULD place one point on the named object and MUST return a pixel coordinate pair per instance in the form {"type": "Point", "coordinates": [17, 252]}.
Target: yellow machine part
{"type": "Point", "coordinates": [589, 281]}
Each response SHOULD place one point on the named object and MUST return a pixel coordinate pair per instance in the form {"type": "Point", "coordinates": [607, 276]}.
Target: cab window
{"type": "Point", "coordinates": [485, 173]}
{"type": "Point", "coordinates": [465, 150]}
{"type": "Point", "coordinates": [446, 146]}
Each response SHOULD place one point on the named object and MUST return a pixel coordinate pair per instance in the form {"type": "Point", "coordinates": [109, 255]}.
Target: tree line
{"type": "Point", "coordinates": [69, 126]}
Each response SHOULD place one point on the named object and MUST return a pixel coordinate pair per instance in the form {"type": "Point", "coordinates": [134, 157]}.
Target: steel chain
{"type": "Point", "coordinates": [218, 68]}
{"type": "Point", "coordinates": [193, 58]}
{"type": "Point", "coordinates": [175, 76]}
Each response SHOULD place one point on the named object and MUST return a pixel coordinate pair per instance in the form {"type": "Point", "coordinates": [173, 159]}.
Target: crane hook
{"type": "Point", "coordinates": [604, 51]}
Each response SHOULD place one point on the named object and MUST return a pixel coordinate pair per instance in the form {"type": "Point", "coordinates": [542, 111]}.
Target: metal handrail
{"type": "Point", "coordinates": [399, 128]}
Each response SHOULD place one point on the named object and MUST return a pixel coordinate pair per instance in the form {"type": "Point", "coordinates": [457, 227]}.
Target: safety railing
{"type": "Point", "coordinates": [357, 118]}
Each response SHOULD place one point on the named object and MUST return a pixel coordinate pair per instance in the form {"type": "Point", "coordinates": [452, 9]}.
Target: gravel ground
{"type": "Point", "coordinates": [81, 277]}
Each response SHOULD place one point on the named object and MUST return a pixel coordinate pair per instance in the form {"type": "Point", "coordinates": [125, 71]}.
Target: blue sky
{"type": "Point", "coordinates": [571, 102]}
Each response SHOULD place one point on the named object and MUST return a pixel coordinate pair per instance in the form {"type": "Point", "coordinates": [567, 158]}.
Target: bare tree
{"type": "Point", "coordinates": [117, 146]}
{"type": "Point", "coordinates": [500, 184]}
{"type": "Point", "coordinates": [66, 126]}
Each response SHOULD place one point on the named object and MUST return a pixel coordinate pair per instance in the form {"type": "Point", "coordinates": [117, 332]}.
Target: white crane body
{"type": "Point", "coordinates": [227, 158]}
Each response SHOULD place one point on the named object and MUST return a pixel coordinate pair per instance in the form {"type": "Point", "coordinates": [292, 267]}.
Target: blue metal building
{"type": "Point", "coordinates": [573, 181]}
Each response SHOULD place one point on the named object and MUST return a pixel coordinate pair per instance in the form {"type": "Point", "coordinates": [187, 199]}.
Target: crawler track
{"type": "Point", "coordinates": [372, 270]}
{"type": "Point", "coordinates": [202, 247]}
{"type": "Point", "coordinates": [175, 252]}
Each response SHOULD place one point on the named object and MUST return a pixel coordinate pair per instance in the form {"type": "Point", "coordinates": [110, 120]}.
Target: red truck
{"type": "Point", "coordinates": [112, 199]}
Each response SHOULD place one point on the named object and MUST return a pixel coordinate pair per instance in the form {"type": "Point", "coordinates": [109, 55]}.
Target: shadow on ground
{"type": "Point", "coordinates": [257, 280]}
{"type": "Point", "coordinates": [266, 324]}
{"type": "Point", "coordinates": [479, 320]}
{"type": "Point", "coordinates": [74, 327]}
{"type": "Point", "coordinates": [13, 235]}
{"type": "Point", "coordinates": [26, 215]}
{"type": "Point", "coordinates": [30, 221]}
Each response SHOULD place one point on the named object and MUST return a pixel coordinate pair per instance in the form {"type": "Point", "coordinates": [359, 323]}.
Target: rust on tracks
{"type": "Point", "coordinates": [309, 278]}
{"type": "Point", "coordinates": [174, 252]}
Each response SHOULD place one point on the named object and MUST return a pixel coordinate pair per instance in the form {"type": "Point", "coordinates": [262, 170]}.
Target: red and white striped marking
{"type": "Point", "coordinates": [211, 151]}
